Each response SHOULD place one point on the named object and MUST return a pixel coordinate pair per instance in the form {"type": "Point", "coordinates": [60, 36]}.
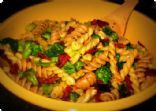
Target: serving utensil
{"type": "Point", "coordinates": [118, 19]}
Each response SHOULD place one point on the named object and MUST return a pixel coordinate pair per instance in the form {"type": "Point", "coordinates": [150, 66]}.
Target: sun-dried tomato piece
{"type": "Point", "coordinates": [67, 92]}
{"type": "Point", "coordinates": [129, 83]}
{"type": "Point", "coordinates": [62, 59]}
{"type": "Point", "coordinates": [91, 51]}
{"type": "Point", "coordinates": [99, 23]}
{"type": "Point", "coordinates": [71, 29]}
{"type": "Point", "coordinates": [49, 80]}
{"type": "Point", "coordinates": [99, 82]}
{"type": "Point", "coordinates": [97, 97]}
{"type": "Point", "coordinates": [119, 45]}
{"type": "Point", "coordinates": [43, 56]}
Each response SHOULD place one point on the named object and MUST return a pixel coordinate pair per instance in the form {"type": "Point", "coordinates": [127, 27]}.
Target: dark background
{"type": "Point", "coordinates": [9, 102]}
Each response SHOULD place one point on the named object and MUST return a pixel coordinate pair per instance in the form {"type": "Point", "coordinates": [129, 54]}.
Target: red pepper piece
{"type": "Point", "coordinates": [119, 45]}
{"type": "Point", "coordinates": [43, 56]}
{"type": "Point", "coordinates": [99, 23]}
{"type": "Point", "coordinates": [129, 83]}
{"type": "Point", "coordinates": [62, 59]}
{"type": "Point", "coordinates": [91, 51]}
{"type": "Point", "coordinates": [67, 92]}
{"type": "Point", "coordinates": [141, 44]}
{"type": "Point", "coordinates": [49, 80]}
{"type": "Point", "coordinates": [71, 29]}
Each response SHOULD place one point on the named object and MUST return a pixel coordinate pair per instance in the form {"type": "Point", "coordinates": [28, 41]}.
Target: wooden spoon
{"type": "Point", "coordinates": [118, 18]}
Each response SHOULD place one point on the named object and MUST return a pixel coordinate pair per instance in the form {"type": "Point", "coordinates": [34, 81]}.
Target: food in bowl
{"type": "Point", "coordinates": [77, 62]}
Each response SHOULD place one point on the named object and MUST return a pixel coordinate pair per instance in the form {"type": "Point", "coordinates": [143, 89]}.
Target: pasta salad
{"type": "Point", "coordinates": [77, 62]}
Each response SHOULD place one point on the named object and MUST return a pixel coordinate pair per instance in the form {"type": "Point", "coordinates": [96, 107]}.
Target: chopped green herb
{"type": "Point", "coordinates": [106, 43]}
{"type": "Point", "coordinates": [48, 88]}
{"type": "Point", "coordinates": [114, 36]}
{"type": "Point", "coordinates": [54, 59]}
{"type": "Point", "coordinates": [99, 52]}
{"type": "Point", "coordinates": [47, 34]}
{"type": "Point", "coordinates": [120, 65]}
{"type": "Point", "coordinates": [108, 31]}
{"type": "Point", "coordinates": [104, 74]}
{"type": "Point", "coordinates": [95, 36]}
{"type": "Point", "coordinates": [43, 64]}
{"type": "Point", "coordinates": [79, 65]}
{"type": "Point", "coordinates": [129, 46]}
{"type": "Point", "coordinates": [54, 50]}
{"type": "Point", "coordinates": [73, 96]}
{"type": "Point", "coordinates": [117, 56]}
{"type": "Point", "coordinates": [69, 68]}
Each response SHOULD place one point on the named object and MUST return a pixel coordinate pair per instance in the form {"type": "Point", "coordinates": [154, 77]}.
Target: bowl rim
{"type": "Point", "coordinates": [6, 82]}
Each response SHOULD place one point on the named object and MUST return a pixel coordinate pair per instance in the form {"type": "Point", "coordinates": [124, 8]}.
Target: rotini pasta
{"type": "Point", "coordinates": [76, 62]}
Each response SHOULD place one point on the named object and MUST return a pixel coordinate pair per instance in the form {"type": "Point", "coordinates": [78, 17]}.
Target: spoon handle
{"type": "Point", "coordinates": [119, 17]}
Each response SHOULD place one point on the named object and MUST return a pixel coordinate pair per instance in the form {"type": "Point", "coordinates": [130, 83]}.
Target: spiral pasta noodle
{"type": "Point", "coordinates": [116, 76]}
{"type": "Point", "coordinates": [134, 79]}
{"type": "Point", "coordinates": [76, 62]}
{"type": "Point", "coordinates": [88, 95]}
{"type": "Point", "coordinates": [57, 92]}
{"type": "Point", "coordinates": [79, 31]}
{"type": "Point", "coordinates": [97, 62]}
{"type": "Point", "coordinates": [128, 64]}
{"type": "Point", "coordinates": [109, 96]}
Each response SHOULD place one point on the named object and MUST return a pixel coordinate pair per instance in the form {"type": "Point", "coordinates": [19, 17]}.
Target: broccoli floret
{"type": "Point", "coordinates": [30, 75]}
{"type": "Point", "coordinates": [54, 50]}
{"type": "Point", "coordinates": [104, 74]}
{"type": "Point", "coordinates": [35, 49]}
{"type": "Point", "coordinates": [69, 68]}
{"type": "Point", "coordinates": [79, 65]}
